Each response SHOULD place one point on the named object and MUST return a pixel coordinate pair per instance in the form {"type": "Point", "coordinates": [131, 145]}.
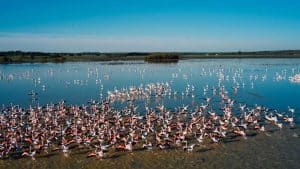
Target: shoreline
{"type": "Point", "coordinates": [39, 57]}
{"type": "Point", "coordinates": [142, 59]}
{"type": "Point", "coordinates": [226, 155]}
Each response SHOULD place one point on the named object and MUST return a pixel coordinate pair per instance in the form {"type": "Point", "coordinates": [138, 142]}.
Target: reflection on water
{"type": "Point", "coordinates": [253, 81]}
{"type": "Point", "coordinates": [186, 85]}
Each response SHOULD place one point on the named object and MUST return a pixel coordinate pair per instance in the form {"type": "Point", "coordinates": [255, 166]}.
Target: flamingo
{"type": "Point", "coordinates": [129, 146]}
{"type": "Point", "coordinates": [147, 146]}
{"type": "Point", "coordinates": [200, 138]}
{"type": "Point", "coordinates": [188, 148]}
{"type": "Point", "coordinates": [30, 154]}
{"type": "Point", "coordinates": [242, 107]}
{"type": "Point", "coordinates": [65, 150]}
{"type": "Point", "coordinates": [97, 153]}
{"type": "Point", "coordinates": [292, 110]}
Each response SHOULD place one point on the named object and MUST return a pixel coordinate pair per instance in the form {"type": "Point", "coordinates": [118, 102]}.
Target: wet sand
{"type": "Point", "coordinates": [278, 149]}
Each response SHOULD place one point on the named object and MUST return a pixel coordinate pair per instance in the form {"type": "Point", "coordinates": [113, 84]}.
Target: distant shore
{"type": "Point", "coordinates": [43, 57]}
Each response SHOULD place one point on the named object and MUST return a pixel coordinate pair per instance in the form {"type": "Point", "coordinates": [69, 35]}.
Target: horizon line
{"type": "Point", "coordinates": [229, 51]}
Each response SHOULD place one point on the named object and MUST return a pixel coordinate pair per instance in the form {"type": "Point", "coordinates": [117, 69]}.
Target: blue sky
{"type": "Point", "coordinates": [154, 25]}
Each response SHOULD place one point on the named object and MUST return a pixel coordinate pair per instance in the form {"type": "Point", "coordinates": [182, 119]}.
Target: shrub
{"type": "Point", "coordinates": [162, 57]}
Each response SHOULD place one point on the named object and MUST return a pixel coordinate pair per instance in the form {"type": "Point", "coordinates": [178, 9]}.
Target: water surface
{"type": "Point", "coordinates": [248, 81]}
{"type": "Point", "coordinates": [259, 81]}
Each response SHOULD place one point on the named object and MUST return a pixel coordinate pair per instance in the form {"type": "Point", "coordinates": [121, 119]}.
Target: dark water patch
{"type": "Point", "coordinates": [81, 152]}
{"type": "Point", "coordinates": [251, 134]}
{"type": "Point", "coordinates": [272, 130]}
{"type": "Point", "coordinates": [114, 156]}
{"type": "Point", "coordinates": [203, 150]}
{"type": "Point", "coordinates": [122, 63]}
{"type": "Point", "coordinates": [255, 94]}
{"type": "Point", "coordinates": [48, 155]}
{"type": "Point", "coordinates": [230, 140]}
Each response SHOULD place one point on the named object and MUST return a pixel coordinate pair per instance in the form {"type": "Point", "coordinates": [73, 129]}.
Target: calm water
{"type": "Point", "coordinates": [251, 81]}
{"type": "Point", "coordinates": [259, 81]}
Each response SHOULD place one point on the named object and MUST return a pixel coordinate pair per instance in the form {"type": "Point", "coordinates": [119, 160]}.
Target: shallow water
{"type": "Point", "coordinates": [279, 149]}
{"type": "Point", "coordinates": [251, 81]}
{"type": "Point", "coordinates": [261, 81]}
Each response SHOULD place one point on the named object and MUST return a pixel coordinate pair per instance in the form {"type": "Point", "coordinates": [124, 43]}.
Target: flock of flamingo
{"type": "Point", "coordinates": [102, 128]}
{"type": "Point", "coordinates": [295, 79]}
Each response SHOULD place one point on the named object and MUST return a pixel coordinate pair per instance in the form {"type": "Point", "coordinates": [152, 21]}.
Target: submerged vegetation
{"type": "Point", "coordinates": [40, 57]}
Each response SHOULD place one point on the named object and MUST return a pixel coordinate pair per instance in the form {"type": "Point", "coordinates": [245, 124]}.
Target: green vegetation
{"type": "Point", "coordinates": [41, 57]}
{"type": "Point", "coordinates": [162, 57]}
